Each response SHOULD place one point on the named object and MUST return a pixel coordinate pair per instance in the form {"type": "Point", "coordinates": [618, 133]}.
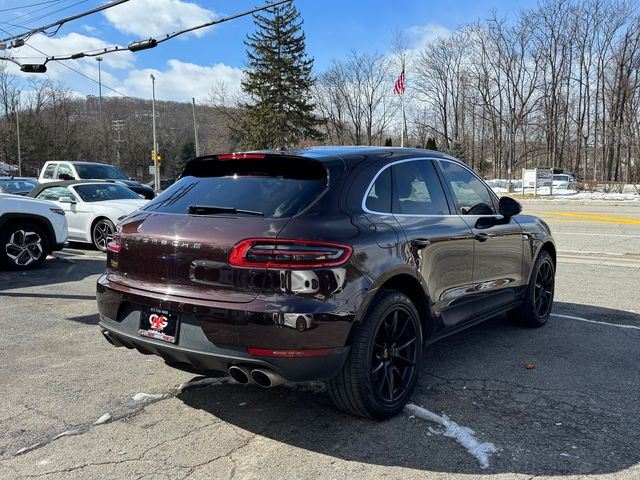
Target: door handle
{"type": "Point", "coordinates": [482, 237]}
{"type": "Point", "coordinates": [420, 242]}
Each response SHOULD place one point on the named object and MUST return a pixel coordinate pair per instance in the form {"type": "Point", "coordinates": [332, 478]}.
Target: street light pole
{"type": "Point", "coordinates": [156, 174]}
{"type": "Point", "coordinates": [195, 126]}
{"type": "Point", "coordinates": [18, 134]}
{"type": "Point", "coordinates": [99, 60]}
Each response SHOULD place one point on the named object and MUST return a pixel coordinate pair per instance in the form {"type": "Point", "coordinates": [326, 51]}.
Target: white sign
{"type": "Point", "coordinates": [152, 169]}
{"type": "Point", "coordinates": [529, 178]}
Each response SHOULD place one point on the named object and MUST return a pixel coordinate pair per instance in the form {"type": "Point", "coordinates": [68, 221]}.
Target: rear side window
{"type": "Point", "coordinates": [64, 169]}
{"type": "Point", "coordinates": [48, 172]}
{"type": "Point", "coordinates": [55, 193]}
{"type": "Point", "coordinates": [99, 171]}
{"type": "Point", "coordinates": [276, 187]}
{"type": "Point", "coordinates": [417, 189]}
{"type": "Point", "coordinates": [379, 195]}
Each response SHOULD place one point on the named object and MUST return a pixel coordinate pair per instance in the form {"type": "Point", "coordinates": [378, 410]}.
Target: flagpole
{"type": "Point", "coordinates": [403, 122]}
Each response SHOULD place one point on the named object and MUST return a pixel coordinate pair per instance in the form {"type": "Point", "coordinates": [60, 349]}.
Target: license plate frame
{"type": "Point", "coordinates": [159, 324]}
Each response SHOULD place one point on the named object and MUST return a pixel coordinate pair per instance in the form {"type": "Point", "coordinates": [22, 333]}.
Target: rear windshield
{"type": "Point", "coordinates": [274, 187]}
{"type": "Point", "coordinates": [100, 171]}
{"type": "Point", "coordinates": [98, 192]}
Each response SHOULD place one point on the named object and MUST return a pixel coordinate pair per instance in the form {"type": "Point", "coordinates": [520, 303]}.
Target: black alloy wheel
{"type": "Point", "coordinates": [394, 355]}
{"type": "Point", "coordinates": [543, 293]}
{"type": "Point", "coordinates": [538, 300]}
{"type": "Point", "coordinates": [383, 366]}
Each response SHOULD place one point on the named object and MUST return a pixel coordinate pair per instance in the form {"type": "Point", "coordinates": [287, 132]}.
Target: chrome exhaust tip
{"type": "Point", "coordinates": [240, 374]}
{"type": "Point", "coordinates": [110, 339]}
{"type": "Point", "coordinates": [266, 378]}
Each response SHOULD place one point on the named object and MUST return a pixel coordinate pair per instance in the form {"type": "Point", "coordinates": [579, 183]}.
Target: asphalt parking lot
{"type": "Point", "coordinates": [557, 402]}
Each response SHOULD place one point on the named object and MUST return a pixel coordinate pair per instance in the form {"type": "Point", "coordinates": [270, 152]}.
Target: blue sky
{"type": "Point", "coordinates": [190, 65]}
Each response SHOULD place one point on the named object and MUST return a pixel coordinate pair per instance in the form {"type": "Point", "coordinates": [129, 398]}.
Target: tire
{"type": "Point", "coordinates": [23, 246]}
{"type": "Point", "coordinates": [102, 233]}
{"type": "Point", "coordinates": [538, 299]}
{"type": "Point", "coordinates": [382, 369]}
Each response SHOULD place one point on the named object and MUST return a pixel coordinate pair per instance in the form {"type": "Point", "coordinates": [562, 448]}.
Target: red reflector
{"type": "Point", "coordinates": [113, 247]}
{"type": "Point", "coordinates": [239, 156]}
{"type": "Point", "coordinates": [267, 352]}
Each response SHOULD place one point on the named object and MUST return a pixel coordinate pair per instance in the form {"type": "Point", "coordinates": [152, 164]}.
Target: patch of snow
{"type": "Point", "coordinates": [43, 462]}
{"type": "Point", "coordinates": [148, 397]}
{"type": "Point", "coordinates": [67, 433]}
{"type": "Point", "coordinates": [463, 435]}
{"type": "Point", "coordinates": [103, 419]}
{"type": "Point", "coordinates": [203, 382]}
{"type": "Point", "coordinates": [27, 449]}
{"type": "Point", "coordinates": [242, 404]}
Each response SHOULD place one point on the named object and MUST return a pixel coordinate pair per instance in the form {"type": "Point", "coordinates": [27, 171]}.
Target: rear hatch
{"type": "Point", "coordinates": [179, 244]}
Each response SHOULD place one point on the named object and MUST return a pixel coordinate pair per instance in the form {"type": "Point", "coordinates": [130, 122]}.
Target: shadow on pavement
{"type": "Point", "coordinates": [575, 412]}
{"type": "Point", "coordinates": [55, 271]}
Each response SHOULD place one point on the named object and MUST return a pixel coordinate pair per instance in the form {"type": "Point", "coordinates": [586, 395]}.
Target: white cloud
{"type": "Point", "coordinates": [147, 18]}
{"type": "Point", "coordinates": [420, 35]}
{"type": "Point", "coordinates": [181, 81]}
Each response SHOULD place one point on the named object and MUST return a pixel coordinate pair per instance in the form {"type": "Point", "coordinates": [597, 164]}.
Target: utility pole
{"type": "Point", "coordinates": [18, 134]}
{"type": "Point", "coordinates": [156, 174]}
{"type": "Point", "coordinates": [118, 126]}
{"type": "Point", "coordinates": [195, 126]}
{"type": "Point", "coordinates": [99, 60]}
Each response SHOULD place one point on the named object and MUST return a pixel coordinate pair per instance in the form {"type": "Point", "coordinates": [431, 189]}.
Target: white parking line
{"type": "Point", "coordinates": [580, 319]}
{"type": "Point", "coordinates": [593, 234]}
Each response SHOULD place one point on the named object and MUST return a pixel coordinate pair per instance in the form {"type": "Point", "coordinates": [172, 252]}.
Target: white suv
{"type": "Point", "coordinates": [30, 229]}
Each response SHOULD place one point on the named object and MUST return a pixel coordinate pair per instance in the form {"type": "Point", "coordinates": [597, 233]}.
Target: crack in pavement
{"type": "Point", "coordinates": [137, 408]}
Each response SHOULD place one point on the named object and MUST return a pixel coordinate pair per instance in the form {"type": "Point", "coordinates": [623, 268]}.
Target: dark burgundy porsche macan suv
{"type": "Point", "coordinates": [325, 263]}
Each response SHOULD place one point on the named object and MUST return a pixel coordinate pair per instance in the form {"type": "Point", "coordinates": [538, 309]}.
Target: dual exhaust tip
{"type": "Point", "coordinates": [260, 376]}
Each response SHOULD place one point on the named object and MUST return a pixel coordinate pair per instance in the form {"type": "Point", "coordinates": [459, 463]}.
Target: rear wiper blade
{"type": "Point", "coordinates": [213, 210]}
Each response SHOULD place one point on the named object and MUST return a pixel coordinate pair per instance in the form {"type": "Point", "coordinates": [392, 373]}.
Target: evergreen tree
{"type": "Point", "coordinates": [388, 142]}
{"type": "Point", "coordinates": [431, 144]}
{"type": "Point", "coordinates": [278, 82]}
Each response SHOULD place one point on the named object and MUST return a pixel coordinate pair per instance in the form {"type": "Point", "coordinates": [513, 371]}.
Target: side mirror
{"type": "Point", "coordinates": [508, 207]}
{"type": "Point", "coordinates": [66, 200]}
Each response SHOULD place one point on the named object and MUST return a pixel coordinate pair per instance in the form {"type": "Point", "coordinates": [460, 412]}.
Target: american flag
{"type": "Point", "coordinates": [398, 87]}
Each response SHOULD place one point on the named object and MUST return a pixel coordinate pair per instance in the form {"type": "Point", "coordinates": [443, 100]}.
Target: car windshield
{"type": "Point", "coordinates": [108, 172]}
{"type": "Point", "coordinates": [96, 192]}
{"type": "Point", "coordinates": [13, 185]}
{"type": "Point", "coordinates": [275, 188]}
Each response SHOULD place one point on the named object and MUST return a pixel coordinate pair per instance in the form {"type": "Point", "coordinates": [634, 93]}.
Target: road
{"type": "Point", "coordinates": [574, 412]}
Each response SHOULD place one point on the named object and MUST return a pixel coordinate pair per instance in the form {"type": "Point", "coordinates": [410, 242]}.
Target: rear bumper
{"type": "Point", "coordinates": [214, 336]}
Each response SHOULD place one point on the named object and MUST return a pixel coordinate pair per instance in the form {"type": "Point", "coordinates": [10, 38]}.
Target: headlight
{"type": "Point", "coordinates": [58, 211]}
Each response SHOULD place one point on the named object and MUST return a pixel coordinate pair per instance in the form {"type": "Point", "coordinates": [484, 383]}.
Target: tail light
{"type": "Point", "coordinates": [280, 253]}
{"type": "Point", "coordinates": [114, 244]}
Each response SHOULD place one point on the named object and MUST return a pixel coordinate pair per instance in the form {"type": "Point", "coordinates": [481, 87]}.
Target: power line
{"type": "Point", "coordinates": [152, 42]}
{"type": "Point", "coordinates": [30, 5]}
{"type": "Point", "coordinates": [44, 15]}
{"type": "Point", "coordinates": [59, 23]}
{"type": "Point", "coordinates": [79, 72]}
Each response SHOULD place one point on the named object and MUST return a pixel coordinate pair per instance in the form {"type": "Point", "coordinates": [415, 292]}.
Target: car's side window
{"type": "Point", "coordinates": [417, 189]}
{"type": "Point", "coordinates": [54, 193]}
{"type": "Point", "coordinates": [64, 169]}
{"type": "Point", "coordinates": [48, 172]}
{"type": "Point", "coordinates": [470, 194]}
{"type": "Point", "coordinates": [379, 195]}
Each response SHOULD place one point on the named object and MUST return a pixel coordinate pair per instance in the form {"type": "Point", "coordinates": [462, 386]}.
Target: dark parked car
{"type": "Point", "coordinates": [324, 263]}
{"type": "Point", "coordinates": [17, 185]}
{"type": "Point", "coordinates": [65, 170]}
{"type": "Point", "coordinates": [164, 183]}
